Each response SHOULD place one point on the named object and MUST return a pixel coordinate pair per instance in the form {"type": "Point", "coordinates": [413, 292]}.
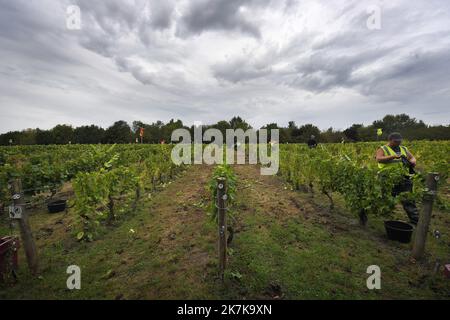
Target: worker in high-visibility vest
{"type": "Point", "coordinates": [394, 154]}
{"type": "Point", "coordinates": [379, 132]}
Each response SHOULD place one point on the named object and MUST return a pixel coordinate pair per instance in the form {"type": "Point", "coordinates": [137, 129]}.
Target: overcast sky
{"type": "Point", "coordinates": [267, 61]}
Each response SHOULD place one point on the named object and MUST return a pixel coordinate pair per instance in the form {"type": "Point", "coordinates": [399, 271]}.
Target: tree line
{"type": "Point", "coordinates": [122, 132]}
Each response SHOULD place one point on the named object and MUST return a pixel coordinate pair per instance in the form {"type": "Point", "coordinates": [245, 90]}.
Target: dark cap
{"type": "Point", "coordinates": [395, 136]}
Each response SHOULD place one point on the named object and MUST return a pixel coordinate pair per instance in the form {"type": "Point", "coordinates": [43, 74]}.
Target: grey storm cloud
{"type": "Point", "coordinates": [137, 71]}
{"type": "Point", "coordinates": [241, 70]}
{"type": "Point", "coordinates": [161, 14]}
{"type": "Point", "coordinates": [221, 15]}
{"type": "Point", "coordinates": [339, 59]}
{"type": "Point", "coordinates": [198, 60]}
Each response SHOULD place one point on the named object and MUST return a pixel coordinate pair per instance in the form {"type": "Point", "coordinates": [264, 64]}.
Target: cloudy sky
{"type": "Point", "coordinates": [321, 62]}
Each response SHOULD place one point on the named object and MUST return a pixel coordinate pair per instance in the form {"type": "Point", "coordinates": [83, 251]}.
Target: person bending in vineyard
{"type": "Point", "coordinates": [394, 154]}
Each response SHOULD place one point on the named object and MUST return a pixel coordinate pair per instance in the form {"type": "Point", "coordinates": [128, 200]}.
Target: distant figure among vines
{"type": "Point", "coordinates": [312, 143]}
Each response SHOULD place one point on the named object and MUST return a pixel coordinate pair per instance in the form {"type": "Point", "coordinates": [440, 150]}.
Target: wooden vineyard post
{"type": "Point", "coordinates": [221, 212]}
{"type": "Point", "coordinates": [424, 219]}
{"type": "Point", "coordinates": [17, 211]}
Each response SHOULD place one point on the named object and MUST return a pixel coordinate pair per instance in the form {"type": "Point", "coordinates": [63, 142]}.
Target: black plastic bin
{"type": "Point", "coordinates": [56, 206]}
{"type": "Point", "coordinates": [398, 231]}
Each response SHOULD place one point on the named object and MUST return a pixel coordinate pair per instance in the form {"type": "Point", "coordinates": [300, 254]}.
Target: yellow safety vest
{"type": "Point", "coordinates": [394, 162]}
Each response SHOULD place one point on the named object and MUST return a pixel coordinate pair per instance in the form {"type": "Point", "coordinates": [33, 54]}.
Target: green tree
{"type": "Point", "coordinates": [44, 137]}
{"type": "Point", "coordinates": [309, 130]}
{"type": "Point", "coordinates": [331, 136]}
{"type": "Point", "coordinates": [168, 128]}
{"type": "Point", "coordinates": [400, 122]}
{"type": "Point", "coordinates": [238, 123]}
{"type": "Point", "coordinates": [119, 132]}
{"type": "Point", "coordinates": [352, 133]}
{"type": "Point", "coordinates": [222, 126]}
{"type": "Point", "coordinates": [88, 134]}
{"type": "Point", "coordinates": [62, 134]}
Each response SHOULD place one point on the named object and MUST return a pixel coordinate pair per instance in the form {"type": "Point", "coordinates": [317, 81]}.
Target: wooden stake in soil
{"type": "Point", "coordinates": [424, 219]}
{"type": "Point", "coordinates": [18, 212]}
{"type": "Point", "coordinates": [221, 211]}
